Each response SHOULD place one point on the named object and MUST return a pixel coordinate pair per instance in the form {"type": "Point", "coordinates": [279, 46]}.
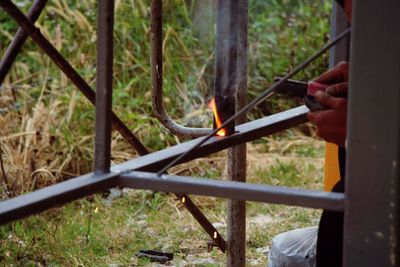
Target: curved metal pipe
{"type": "Point", "coordinates": [157, 78]}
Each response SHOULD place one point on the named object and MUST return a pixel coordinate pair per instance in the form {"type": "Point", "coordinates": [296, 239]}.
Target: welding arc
{"type": "Point", "coordinates": [267, 93]}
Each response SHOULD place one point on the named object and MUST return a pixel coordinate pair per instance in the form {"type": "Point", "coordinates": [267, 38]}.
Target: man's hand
{"type": "Point", "coordinates": [331, 123]}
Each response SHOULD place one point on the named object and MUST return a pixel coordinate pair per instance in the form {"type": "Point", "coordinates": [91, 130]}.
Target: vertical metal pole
{"type": "Point", "coordinates": [371, 229]}
{"type": "Point", "coordinates": [225, 83]}
{"type": "Point", "coordinates": [105, 23]}
{"type": "Point", "coordinates": [339, 24]}
{"type": "Point", "coordinates": [236, 231]}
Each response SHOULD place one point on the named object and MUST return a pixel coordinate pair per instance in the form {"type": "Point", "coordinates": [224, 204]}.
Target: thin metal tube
{"type": "Point", "coordinates": [235, 190]}
{"type": "Point", "coordinates": [259, 99]}
{"type": "Point", "coordinates": [20, 37]}
{"type": "Point", "coordinates": [68, 70]}
{"type": "Point", "coordinates": [54, 195]}
{"type": "Point", "coordinates": [104, 83]}
{"type": "Point", "coordinates": [157, 78]}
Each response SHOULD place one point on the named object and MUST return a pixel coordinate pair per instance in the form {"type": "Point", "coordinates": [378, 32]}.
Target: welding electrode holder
{"type": "Point", "coordinates": [294, 88]}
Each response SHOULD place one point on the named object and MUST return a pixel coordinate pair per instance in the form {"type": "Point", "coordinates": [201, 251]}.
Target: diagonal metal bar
{"type": "Point", "coordinates": [90, 95]}
{"type": "Point", "coordinates": [40, 200]}
{"type": "Point", "coordinates": [67, 69]}
{"type": "Point", "coordinates": [235, 190]}
{"type": "Point", "coordinates": [15, 47]}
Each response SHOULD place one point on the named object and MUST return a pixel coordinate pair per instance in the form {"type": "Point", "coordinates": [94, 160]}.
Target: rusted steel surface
{"type": "Point", "coordinates": [236, 217]}
{"type": "Point", "coordinates": [58, 194]}
{"type": "Point", "coordinates": [15, 47]}
{"type": "Point", "coordinates": [225, 82]}
{"type": "Point", "coordinates": [104, 86]}
{"type": "Point", "coordinates": [67, 69]}
{"type": "Point", "coordinates": [157, 77]}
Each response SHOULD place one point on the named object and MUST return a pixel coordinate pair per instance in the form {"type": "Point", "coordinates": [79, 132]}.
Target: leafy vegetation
{"type": "Point", "coordinates": [47, 129]}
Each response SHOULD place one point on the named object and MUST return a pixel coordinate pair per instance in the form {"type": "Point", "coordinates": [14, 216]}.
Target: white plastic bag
{"type": "Point", "coordinates": [296, 248]}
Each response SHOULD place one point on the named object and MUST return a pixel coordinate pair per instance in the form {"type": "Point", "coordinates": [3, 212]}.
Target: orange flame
{"type": "Point", "coordinates": [218, 122]}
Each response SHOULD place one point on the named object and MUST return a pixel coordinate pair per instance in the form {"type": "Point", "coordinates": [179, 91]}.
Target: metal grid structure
{"type": "Point", "coordinates": [371, 210]}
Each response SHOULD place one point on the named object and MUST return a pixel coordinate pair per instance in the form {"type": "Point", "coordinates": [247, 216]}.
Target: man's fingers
{"type": "Point", "coordinates": [318, 116]}
{"type": "Point", "coordinates": [338, 90]}
{"type": "Point", "coordinates": [329, 101]}
{"type": "Point", "coordinates": [338, 74]}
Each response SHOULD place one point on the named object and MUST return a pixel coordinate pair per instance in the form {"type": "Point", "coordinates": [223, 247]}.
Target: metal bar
{"type": "Point", "coordinates": [339, 23]}
{"type": "Point", "coordinates": [104, 79]}
{"type": "Point", "coordinates": [235, 190]}
{"type": "Point", "coordinates": [55, 195]}
{"type": "Point", "coordinates": [371, 227]}
{"type": "Point", "coordinates": [157, 77]}
{"type": "Point", "coordinates": [68, 70]}
{"type": "Point", "coordinates": [117, 123]}
{"type": "Point", "coordinates": [236, 217]}
{"type": "Point", "coordinates": [258, 99]}
{"type": "Point", "coordinates": [243, 133]}
{"type": "Point", "coordinates": [225, 82]}
{"type": "Point", "coordinates": [15, 47]}
{"type": "Point", "coordinates": [218, 240]}
{"type": "Point", "coordinates": [40, 200]}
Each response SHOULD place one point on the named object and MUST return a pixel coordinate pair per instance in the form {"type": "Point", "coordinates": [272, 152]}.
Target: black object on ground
{"type": "Point", "coordinates": [155, 256]}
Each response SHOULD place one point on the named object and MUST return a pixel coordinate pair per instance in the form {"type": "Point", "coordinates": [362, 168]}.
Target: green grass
{"type": "Point", "coordinates": [94, 232]}
{"type": "Point", "coordinates": [56, 122]}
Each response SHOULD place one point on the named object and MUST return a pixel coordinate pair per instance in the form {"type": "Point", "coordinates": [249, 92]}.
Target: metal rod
{"type": "Point", "coordinates": [68, 70]}
{"type": "Point", "coordinates": [207, 226]}
{"type": "Point", "coordinates": [55, 195]}
{"type": "Point", "coordinates": [40, 200]}
{"type": "Point", "coordinates": [15, 47]}
{"type": "Point", "coordinates": [372, 218]}
{"type": "Point", "coordinates": [90, 95]}
{"type": "Point", "coordinates": [236, 217]}
{"type": "Point", "coordinates": [235, 190]}
{"type": "Point", "coordinates": [157, 78]}
{"type": "Point", "coordinates": [260, 98]}
{"type": "Point", "coordinates": [104, 83]}
{"type": "Point", "coordinates": [225, 82]}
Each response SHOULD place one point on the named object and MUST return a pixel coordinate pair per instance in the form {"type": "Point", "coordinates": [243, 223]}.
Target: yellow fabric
{"type": "Point", "coordinates": [332, 173]}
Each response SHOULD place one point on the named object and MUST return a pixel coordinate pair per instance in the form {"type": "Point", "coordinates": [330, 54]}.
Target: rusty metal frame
{"type": "Point", "coordinates": [104, 81]}
{"type": "Point", "coordinates": [125, 174]}
{"type": "Point", "coordinates": [374, 95]}
{"type": "Point", "coordinates": [51, 196]}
